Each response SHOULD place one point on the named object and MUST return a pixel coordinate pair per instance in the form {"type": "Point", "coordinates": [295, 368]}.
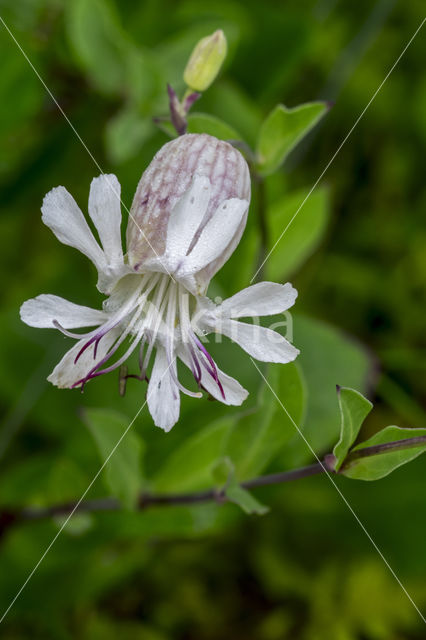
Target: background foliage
{"type": "Point", "coordinates": [356, 254]}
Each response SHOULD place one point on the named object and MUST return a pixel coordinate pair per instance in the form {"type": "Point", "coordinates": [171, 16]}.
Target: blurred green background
{"type": "Point", "coordinates": [306, 570]}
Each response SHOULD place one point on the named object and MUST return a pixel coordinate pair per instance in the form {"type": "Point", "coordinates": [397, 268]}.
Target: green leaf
{"type": "Point", "coordinates": [98, 42]}
{"type": "Point", "coordinates": [228, 101]}
{"type": "Point", "coordinates": [66, 481]}
{"type": "Point", "coordinates": [190, 466]}
{"type": "Point", "coordinates": [282, 130]}
{"type": "Point", "coordinates": [42, 479]}
{"type": "Point", "coordinates": [244, 499]}
{"type": "Point", "coordinates": [297, 223]}
{"type": "Point", "coordinates": [126, 133]}
{"type": "Point", "coordinates": [379, 466]}
{"type": "Point", "coordinates": [165, 125]}
{"type": "Point", "coordinates": [222, 471]}
{"type": "Point", "coordinates": [122, 472]}
{"type": "Point", "coordinates": [257, 438]}
{"type": "Point", "coordinates": [327, 357]}
{"type": "Point", "coordinates": [205, 123]}
{"type": "Point", "coordinates": [224, 477]}
{"type": "Point", "coordinates": [354, 408]}
{"type": "Point", "coordinates": [77, 525]}
{"type": "Point", "coordinates": [17, 126]}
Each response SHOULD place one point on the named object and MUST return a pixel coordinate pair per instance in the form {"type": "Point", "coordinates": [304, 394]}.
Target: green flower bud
{"type": "Point", "coordinates": [205, 61]}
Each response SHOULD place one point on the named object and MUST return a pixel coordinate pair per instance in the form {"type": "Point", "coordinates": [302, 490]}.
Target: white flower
{"type": "Point", "coordinates": [187, 217]}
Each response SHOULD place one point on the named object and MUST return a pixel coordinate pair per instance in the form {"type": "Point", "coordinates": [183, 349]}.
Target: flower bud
{"type": "Point", "coordinates": [205, 61]}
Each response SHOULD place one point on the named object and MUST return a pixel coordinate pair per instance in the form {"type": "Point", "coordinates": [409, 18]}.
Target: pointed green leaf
{"type": "Point", "coordinates": [122, 473]}
{"type": "Point", "coordinates": [282, 130]}
{"type": "Point", "coordinates": [297, 223]}
{"type": "Point", "coordinates": [354, 408]}
{"type": "Point", "coordinates": [379, 466]}
{"type": "Point", "coordinates": [244, 499]}
{"type": "Point", "coordinates": [261, 435]}
{"type": "Point", "coordinates": [234, 105]}
{"type": "Point", "coordinates": [205, 123]}
{"type": "Point", "coordinates": [327, 357]}
{"type": "Point", "coordinates": [189, 466]}
{"type": "Point", "coordinates": [223, 473]}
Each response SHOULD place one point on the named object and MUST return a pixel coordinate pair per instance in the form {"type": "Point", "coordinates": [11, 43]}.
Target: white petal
{"type": "Point", "coordinates": [261, 343]}
{"type": "Point", "coordinates": [186, 217]}
{"type": "Point", "coordinates": [67, 373]}
{"type": "Point", "coordinates": [262, 299]}
{"type": "Point", "coordinates": [123, 296]}
{"type": "Point", "coordinates": [109, 276]}
{"type": "Point", "coordinates": [216, 235]}
{"type": "Point", "coordinates": [43, 310]}
{"type": "Point", "coordinates": [163, 395]}
{"type": "Point", "coordinates": [235, 394]}
{"type": "Point", "coordinates": [62, 214]}
{"type": "Point", "coordinates": [105, 211]}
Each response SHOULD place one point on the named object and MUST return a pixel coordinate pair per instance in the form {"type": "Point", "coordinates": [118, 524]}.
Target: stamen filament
{"type": "Point", "coordinates": [170, 323]}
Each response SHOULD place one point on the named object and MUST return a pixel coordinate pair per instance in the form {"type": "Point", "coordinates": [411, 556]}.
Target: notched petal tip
{"type": "Point", "coordinates": [56, 198]}
{"type": "Point", "coordinates": [63, 216]}
{"type": "Point", "coordinates": [105, 211]}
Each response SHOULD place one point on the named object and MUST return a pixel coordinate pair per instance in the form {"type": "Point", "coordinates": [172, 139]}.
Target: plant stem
{"type": "Point", "coordinates": [148, 500]}
{"type": "Point", "coordinates": [386, 447]}
{"type": "Point", "coordinates": [10, 517]}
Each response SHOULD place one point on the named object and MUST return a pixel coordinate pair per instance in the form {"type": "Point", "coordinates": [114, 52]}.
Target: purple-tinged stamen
{"type": "Point", "coordinates": [212, 370]}
{"type": "Point", "coordinates": [195, 365]}
{"type": "Point", "coordinates": [71, 334]}
{"type": "Point", "coordinates": [92, 373]}
{"type": "Point", "coordinates": [126, 355]}
{"type": "Point", "coordinates": [95, 372]}
{"type": "Point", "coordinates": [103, 331]}
{"type": "Point", "coordinates": [93, 335]}
{"type": "Point", "coordinates": [94, 339]}
{"type": "Point", "coordinates": [97, 338]}
{"type": "Point", "coordinates": [222, 393]}
{"type": "Point", "coordinates": [135, 301]}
